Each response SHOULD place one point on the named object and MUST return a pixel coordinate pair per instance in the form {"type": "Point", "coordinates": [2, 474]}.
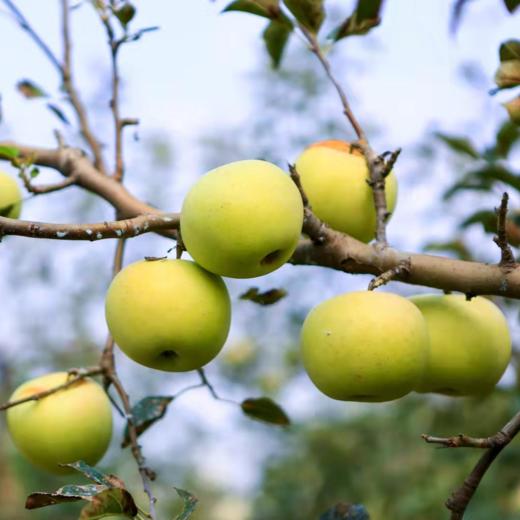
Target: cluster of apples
{"type": "Point", "coordinates": [244, 220]}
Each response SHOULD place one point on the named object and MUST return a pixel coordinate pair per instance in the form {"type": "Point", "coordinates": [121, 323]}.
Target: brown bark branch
{"type": "Point", "coordinates": [507, 258]}
{"type": "Point", "coordinates": [460, 498]}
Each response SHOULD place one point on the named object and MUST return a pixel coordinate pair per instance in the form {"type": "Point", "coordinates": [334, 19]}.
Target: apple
{"type": "Point", "coordinates": [170, 315]}
{"type": "Point", "coordinates": [10, 197]}
{"type": "Point", "coordinates": [243, 219]}
{"type": "Point", "coordinates": [72, 424]}
{"type": "Point", "coordinates": [334, 177]}
{"type": "Point", "coordinates": [470, 344]}
{"type": "Point", "coordinates": [365, 346]}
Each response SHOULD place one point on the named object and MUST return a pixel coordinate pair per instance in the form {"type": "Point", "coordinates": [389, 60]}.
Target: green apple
{"type": "Point", "coordinates": [334, 177]}
{"type": "Point", "coordinates": [10, 197]}
{"type": "Point", "coordinates": [470, 344]}
{"type": "Point", "coordinates": [72, 424]}
{"type": "Point", "coordinates": [170, 315]}
{"type": "Point", "coordinates": [243, 219]}
{"type": "Point", "coordinates": [365, 346]}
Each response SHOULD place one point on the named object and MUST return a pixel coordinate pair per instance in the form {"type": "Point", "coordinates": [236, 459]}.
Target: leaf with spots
{"type": "Point", "coordinates": [95, 475]}
{"type": "Point", "coordinates": [110, 501]}
{"type": "Point", "coordinates": [69, 493]}
{"type": "Point", "coordinates": [145, 413]}
{"type": "Point", "coordinates": [265, 410]}
{"type": "Point", "coordinates": [190, 503]}
{"type": "Point", "coordinates": [263, 298]}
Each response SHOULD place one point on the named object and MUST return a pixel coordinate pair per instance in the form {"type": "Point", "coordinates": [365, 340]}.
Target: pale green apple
{"type": "Point", "coordinates": [72, 424]}
{"type": "Point", "coordinates": [365, 346]}
{"type": "Point", "coordinates": [10, 197]}
{"type": "Point", "coordinates": [470, 344]}
{"type": "Point", "coordinates": [243, 219]}
{"type": "Point", "coordinates": [170, 315]}
{"type": "Point", "coordinates": [334, 177]}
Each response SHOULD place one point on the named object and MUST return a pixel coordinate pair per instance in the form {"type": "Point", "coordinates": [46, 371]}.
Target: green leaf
{"type": "Point", "coordinates": [69, 493]}
{"type": "Point", "coordinates": [263, 298]}
{"type": "Point", "coordinates": [145, 413]}
{"type": "Point", "coordinates": [9, 152]}
{"type": "Point", "coordinates": [58, 113]}
{"type": "Point", "coordinates": [486, 218]}
{"type": "Point", "coordinates": [365, 17]}
{"type": "Point", "coordinates": [265, 8]}
{"type": "Point", "coordinates": [110, 501]}
{"type": "Point", "coordinates": [266, 410]}
{"type": "Point", "coordinates": [507, 136]}
{"type": "Point", "coordinates": [345, 511]}
{"type": "Point", "coordinates": [511, 5]}
{"type": "Point", "coordinates": [125, 14]}
{"type": "Point", "coordinates": [457, 247]}
{"type": "Point", "coordinates": [34, 172]}
{"type": "Point", "coordinates": [460, 145]}
{"type": "Point", "coordinates": [309, 13]}
{"type": "Point", "coordinates": [95, 475]}
{"type": "Point", "coordinates": [190, 503]}
{"type": "Point", "coordinates": [276, 36]}
{"type": "Point", "coordinates": [30, 90]}
{"type": "Point", "coordinates": [509, 50]}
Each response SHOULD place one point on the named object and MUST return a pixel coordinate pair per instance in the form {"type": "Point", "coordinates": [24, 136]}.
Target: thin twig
{"type": "Point", "coordinates": [75, 376]}
{"type": "Point", "coordinates": [401, 269]}
{"type": "Point", "coordinates": [41, 189]}
{"type": "Point", "coordinates": [211, 389]}
{"type": "Point", "coordinates": [312, 225]}
{"type": "Point", "coordinates": [73, 95]}
{"type": "Point", "coordinates": [507, 258]}
{"type": "Point", "coordinates": [460, 498]}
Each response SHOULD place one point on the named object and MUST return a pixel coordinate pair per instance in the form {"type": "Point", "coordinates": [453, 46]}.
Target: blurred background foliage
{"type": "Point", "coordinates": [239, 469]}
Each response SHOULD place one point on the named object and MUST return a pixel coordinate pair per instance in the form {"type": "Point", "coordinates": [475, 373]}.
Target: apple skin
{"type": "Point", "coordinates": [170, 315]}
{"type": "Point", "coordinates": [10, 197]}
{"type": "Point", "coordinates": [334, 177]}
{"type": "Point", "coordinates": [243, 219]}
{"type": "Point", "coordinates": [365, 346]}
{"type": "Point", "coordinates": [470, 344]}
{"type": "Point", "coordinates": [72, 424]}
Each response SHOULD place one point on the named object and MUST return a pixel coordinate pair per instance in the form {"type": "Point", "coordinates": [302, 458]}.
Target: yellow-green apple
{"type": "Point", "coordinates": [334, 177]}
{"type": "Point", "coordinates": [72, 424]}
{"type": "Point", "coordinates": [10, 197]}
{"type": "Point", "coordinates": [365, 346]}
{"type": "Point", "coordinates": [243, 219]}
{"type": "Point", "coordinates": [470, 344]}
{"type": "Point", "coordinates": [170, 315]}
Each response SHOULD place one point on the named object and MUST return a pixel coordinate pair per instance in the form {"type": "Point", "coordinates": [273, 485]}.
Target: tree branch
{"type": "Point", "coordinates": [460, 498]}
{"type": "Point", "coordinates": [507, 259]}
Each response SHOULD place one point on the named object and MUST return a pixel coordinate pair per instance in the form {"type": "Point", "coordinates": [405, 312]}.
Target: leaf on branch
{"type": "Point", "coordinates": [265, 8]}
{"type": "Point", "coordinates": [511, 5]}
{"type": "Point", "coordinates": [345, 511]}
{"type": "Point", "coordinates": [509, 50]}
{"type": "Point", "coordinates": [58, 113]}
{"type": "Point", "coordinates": [125, 14]}
{"type": "Point", "coordinates": [460, 145]}
{"type": "Point", "coordinates": [69, 493]}
{"type": "Point", "coordinates": [487, 219]}
{"type": "Point", "coordinates": [113, 501]}
{"type": "Point", "coordinates": [507, 136]}
{"type": "Point", "coordinates": [30, 90]}
{"type": "Point", "coordinates": [508, 74]}
{"type": "Point", "coordinates": [365, 17]}
{"type": "Point", "coordinates": [266, 410]}
{"type": "Point", "coordinates": [96, 476]}
{"type": "Point", "coordinates": [145, 413]}
{"type": "Point", "coordinates": [457, 247]}
{"type": "Point", "coordinates": [263, 298]}
{"type": "Point", "coordinates": [276, 36]}
{"type": "Point", "coordinates": [9, 152]}
{"type": "Point", "coordinates": [190, 503]}
{"type": "Point", "coordinates": [309, 13]}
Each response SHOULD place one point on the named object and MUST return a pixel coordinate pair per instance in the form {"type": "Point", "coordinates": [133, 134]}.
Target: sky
{"type": "Point", "coordinates": [193, 77]}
